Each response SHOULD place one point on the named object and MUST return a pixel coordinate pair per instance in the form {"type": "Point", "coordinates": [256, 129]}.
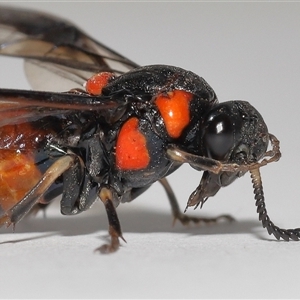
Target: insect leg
{"type": "Point", "coordinates": [115, 232]}
{"type": "Point", "coordinates": [208, 164]}
{"type": "Point", "coordinates": [79, 188]}
{"type": "Point", "coordinates": [81, 197]}
{"type": "Point", "coordinates": [17, 212]}
{"type": "Point", "coordinates": [178, 215]}
{"type": "Point", "coordinates": [200, 162]}
{"type": "Point", "coordinates": [72, 180]}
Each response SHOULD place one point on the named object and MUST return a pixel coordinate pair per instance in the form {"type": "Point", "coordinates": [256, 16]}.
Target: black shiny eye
{"type": "Point", "coordinates": [218, 135]}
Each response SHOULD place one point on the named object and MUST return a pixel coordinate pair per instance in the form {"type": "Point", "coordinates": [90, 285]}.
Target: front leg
{"type": "Point", "coordinates": [115, 232]}
{"type": "Point", "coordinates": [214, 166]}
{"type": "Point", "coordinates": [183, 218]}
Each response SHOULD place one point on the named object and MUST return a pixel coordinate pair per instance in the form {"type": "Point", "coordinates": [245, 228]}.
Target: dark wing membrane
{"type": "Point", "coordinates": [55, 46]}
{"type": "Point", "coordinates": [17, 106]}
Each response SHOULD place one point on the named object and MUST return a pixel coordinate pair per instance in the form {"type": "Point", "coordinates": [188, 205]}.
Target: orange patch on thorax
{"type": "Point", "coordinates": [131, 147]}
{"type": "Point", "coordinates": [175, 111]}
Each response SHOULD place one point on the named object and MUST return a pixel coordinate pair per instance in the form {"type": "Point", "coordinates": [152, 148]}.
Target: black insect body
{"type": "Point", "coordinates": [131, 127]}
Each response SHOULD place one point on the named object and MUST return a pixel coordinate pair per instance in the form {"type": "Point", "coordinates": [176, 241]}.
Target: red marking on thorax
{"type": "Point", "coordinates": [175, 111]}
{"type": "Point", "coordinates": [97, 82]}
{"type": "Point", "coordinates": [131, 148]}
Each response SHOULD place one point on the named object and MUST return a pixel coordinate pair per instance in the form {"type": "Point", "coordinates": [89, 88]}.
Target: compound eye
{"type": "Point", "coordinates": [218, 137]}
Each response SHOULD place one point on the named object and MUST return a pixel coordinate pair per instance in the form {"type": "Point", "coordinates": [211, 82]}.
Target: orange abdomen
{"type": "Point", "coordinates": [18, 169]}
{"type": "Point", "coordinates": [18, 175]}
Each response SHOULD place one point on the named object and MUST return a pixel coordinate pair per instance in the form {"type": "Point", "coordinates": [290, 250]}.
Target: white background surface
{"type": "Point", "coordinates": [246, 51]}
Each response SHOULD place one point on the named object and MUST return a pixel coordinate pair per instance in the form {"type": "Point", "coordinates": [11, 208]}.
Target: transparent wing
{"type": "Point", "coordinates": [17, 106]}
{"type": "Point", "coordinates": [54, 47]}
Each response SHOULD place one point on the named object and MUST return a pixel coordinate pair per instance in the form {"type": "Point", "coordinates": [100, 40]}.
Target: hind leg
{"type": "Point", "coordinates": [33, 197]}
